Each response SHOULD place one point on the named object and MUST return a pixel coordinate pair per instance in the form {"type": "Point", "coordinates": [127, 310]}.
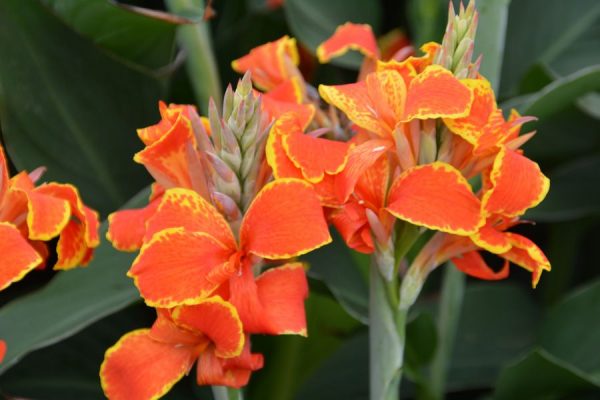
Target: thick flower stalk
{"type": "Point", "coordinates": [423, 132]}
{"type": "Point", "coordinates": [30, 217]}
{"type": "Point", "coordinates": [209, 243]}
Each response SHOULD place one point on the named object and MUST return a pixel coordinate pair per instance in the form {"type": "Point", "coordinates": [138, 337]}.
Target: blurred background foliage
{"type": "Point", "coordinates": [77, 77]}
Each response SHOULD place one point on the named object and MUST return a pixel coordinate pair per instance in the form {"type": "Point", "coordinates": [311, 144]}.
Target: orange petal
{"type": "Point", "coordinates": [140, 368]}
{"type": "Point", "coordinates": [290, 91]}
{"type": "Point", "coordinates": [526, 254]}
{"type": "Point", "coordinates": [271, 63]}
{"type": "Point", "coordinates": [165, 330]}
{"type": "Point", "coordinates": [491, 239]}
{"type": "Point", "coordinates": [71, 248]}
{"type": "Point", "coordinates": [517, 185]}
{"type": "Point", "coordinates": [436, 93]}
{"type": "Point", "coordinates": [277, 158]}
{"type": "Point", "coordinates": [233, 372]}
{"type": "Point", "coordinates": [186, 209]}
{"type": "Point", "coordinates": [167, 157]}
{"type": "Point", "coordinates": [47, 215]}
{"type": "Point", "coordinates": [127, 228]}
{"type": "Point", "coordinates": [283, 290]}
{"type": "Point", "coordinates": [360, 159]}
{"type": "Point", "coordinates": [217, 319]}
{"type": "Point", "coordinates": [346, 37]}
{"type": "Point", "coordinates": [2, 342]}
{"type": "Point", "coordinates": [315, 156]}
{"type": "Point", "coordinates": [18, 257]}
{"type": "Point", "coordinates": [387, 91]}
{"type": "Point", "coordinates": [85, 215]}
{"type": "Point", "coordinates": [284, 220]}
{"type": "Point", "coordinates": [272, 304]}
{"type": "Point", "coordinates": [371, 187]}
{"type": "Point", "coordinates": [178, 267]}
{"type": "Point", "coordinates": [169, 115]}
{"type": "Point", "coordinates": [354, 101]}
{"type": "Point", "coordinates": [438, 197]}
{"type": "Point", "coordinates": [3, 175]}
{"type": "Point", "coordinates": [351, 222]}
{"type": "Point", "coordinates": [473, 264]}
{"type": "Point", "coordinates": [471, 126]}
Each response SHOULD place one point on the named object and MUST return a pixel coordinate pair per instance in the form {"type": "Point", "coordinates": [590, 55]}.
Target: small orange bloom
{"type": "Point", "coordinates": [31, 216]}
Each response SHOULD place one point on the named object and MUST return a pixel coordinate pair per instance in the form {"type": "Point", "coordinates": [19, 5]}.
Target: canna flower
{"type": "Point", "coordinates": [146, 363]}
{"type": "Point", "coordinates": [31, 216]}
{"type": "Point", "coordinates": [360, 37]}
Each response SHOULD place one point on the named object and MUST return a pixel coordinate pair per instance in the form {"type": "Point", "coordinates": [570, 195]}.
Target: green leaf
{"type": "Point", "coordinates": [497, 323]}
{"type": "Point", "coordinates": [539, 375]}
{"type": "Point", "coordinates": [292, 359]}
{"type": "Point", "coordinates": [574, 192]}
{"type": "Point", "coordinates": [559, 94]}
{"type": "Point", "coordinates": [554, 32]}
{"type": "Point", "coordinates": [335, 266]}
{"type": "Point", "coordinates": [489, 42]}
{"type": "Point", "coordinates": [68, 106]}
{"type": "Point", "coordinates": [343, 376]}
{"type": "Point", "coordinates": [71, 301]}
{"type": "Point", "coordinates": [137, 35]}
{"type": "Point", "coordinates": [571, 330]}
{"type": "Point", "coordinates": [313, 21]}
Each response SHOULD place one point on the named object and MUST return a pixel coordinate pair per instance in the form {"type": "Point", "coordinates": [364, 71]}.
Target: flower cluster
{"type": "Point", "coordinates": [428, 149]}
{"type": "Point", "coordinates": [207, 241]}
{"type": "Point", "coordinates": [30, 217]}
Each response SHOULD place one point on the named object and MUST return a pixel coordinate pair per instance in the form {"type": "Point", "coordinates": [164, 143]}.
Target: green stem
{"type": "Point", "coordinates": [453, 288]}
{"type": "Point", "coordinates": [226, 393]}
{"type": "Point", "coordinates": [200, 62]}
{"type": "Point", "coordinates": [386, 337]}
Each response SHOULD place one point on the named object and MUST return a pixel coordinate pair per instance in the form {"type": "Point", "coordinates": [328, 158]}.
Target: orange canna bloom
{"type": "Point", "coordinates": [30, 216]}
{"type": "Point", "coordinates": [190, 249]}
{"type": "Point", "coordinates": [146, 363]}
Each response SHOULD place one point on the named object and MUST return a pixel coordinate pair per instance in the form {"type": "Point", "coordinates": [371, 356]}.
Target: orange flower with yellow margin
{"type": "Point", "coordinates": [146, 363]}
{"type": "Point", "coordinates": [30, 216]}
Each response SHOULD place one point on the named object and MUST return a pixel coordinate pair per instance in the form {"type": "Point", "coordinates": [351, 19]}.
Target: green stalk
{"type": "Point", "coordinates": [226, 393]}
{"type": "Point", "coordinates": [195, 40]}
{"type": "Point", "coordinates": [386, 337]}
{"type": "Point", "coordinates": [453, 289]}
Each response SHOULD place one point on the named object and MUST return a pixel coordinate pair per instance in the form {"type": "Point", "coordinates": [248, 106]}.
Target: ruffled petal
{"type": "Point", "coordinates": [167, 158]}
{"type": "Point", "coordinates": [127, 228]}
{"type": "Point", "coordinates": [351, 222]}
{"type": "Point", "coordinates": [71, 248]}
{"type": "Point", "coordinates": [284, 220]}
{"type": "Point", "coordinates": [491, 239]}
{"type": "Point", "coordinates": [217, 319]}
{"type": "Point", "coordinates": [186, 209]}
{"type": "Point", "coordinates": [2, 342]}
{"type": "Point", "coordinates": [438, 197]}
{"type": "Point", "coordinates": [165, 330]}
{"type": "Point", "coordinates": [473, 264]}
{"type": "Point", "coordinates": [526, 254]}
{"type": "Point", "coordinates": [346, 37]}
{"type": "Point", "coordinates": [276, 154]}
{"type": "Point", "coordinates": [140, 368]}
{"type": "Point", "coordinates": [47, 215]}
{"type": "Point", "coordinates": [178, 267]}
{"type": "Point", "coordinates": [233, 372]}
{"type": "Point", "coordinates": [517, 184]}
{"type": "Point", "coordinates": [436, 93]}
{"type": "Point", "coordinates": [18, 257]}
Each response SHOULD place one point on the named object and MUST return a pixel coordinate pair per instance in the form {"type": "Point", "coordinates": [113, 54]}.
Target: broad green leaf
{"type": "Point", "coordinates": [575, 192]}
{"type": "Point", "coordinates": [539, 375]}
{"type": "Point", "coordinates": [559, 94]}
{"type": "Point", "coordinates": [71, 301]}
{"type": "Point", "coordinates": [497, 323]}
{"type": "Point", "coordinates": [313, 21]}
{"type": "Point", "coordinates": [335, 266]}
{"type": "Point", "coordinates": [344, 375]}
{"type": "Point", "coordinates": [554, 31]}
{"type": "Point", "coordinates": [68, 106]}
{"type": "Point", "coordinates": [143, 37]}
{"type": "Point", "coordinates": [71, 367]}
{"type": "Point", "coordinates": [291, 359]}
{"type": "Point", "coordinates": [571, 330]}
{"type": "Point", "coordinates": [491, 33]}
